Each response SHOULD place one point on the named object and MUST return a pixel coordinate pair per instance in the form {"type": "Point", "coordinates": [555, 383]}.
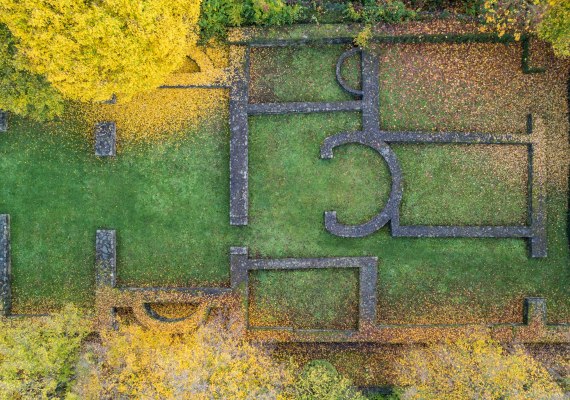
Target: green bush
{"type": "Point", "coordinates": [462, 6]}
{"type": "Point", "coordinates": [218, 15]}
{"type": "Point", "coordinates": [320, 380]}
{"type": "Point", "coordinates": [391, 11]}
{"type": "Point", "coordinates": [555, 27]}
{"type": "Point", "coordinates": [393, 396]}
{"type": "Point", "coordinates": [38, 357]}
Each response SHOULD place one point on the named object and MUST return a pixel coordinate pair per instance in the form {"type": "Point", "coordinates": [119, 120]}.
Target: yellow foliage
{"type": "Point", "coordinates": [90, 50]}
{"type": "Point", "coordinates": [212, 363]}
{"type": "Point", "coordinates": [24, 93]}
{"type": "Point", "coordinates": [474, 368]}
{"type": "Point", "coordinates": [555, 27]}
{"type": "Point", "coordinates": [320, 380]}
{"type": "Point", "coordinates": [161, 113]}
{"type": "Point", "coordinates": [37, 356]}
{"type": "Point", "coordinates": [513, 16]}
{"type": "Point", "coordinates": [210, 63]}
{"type": "Point", "coordinates": [363, 37]}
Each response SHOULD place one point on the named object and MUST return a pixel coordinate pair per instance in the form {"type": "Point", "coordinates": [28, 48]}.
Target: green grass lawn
{"type": "Point", "coordinates": [321, 298]}
{"type": "Point", "coordinates": [169, 203]}
{"type": "Point", "coordinates": [485, 275]}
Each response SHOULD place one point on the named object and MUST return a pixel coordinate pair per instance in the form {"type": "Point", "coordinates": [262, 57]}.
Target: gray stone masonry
{"type": "Point", "coordinates": [239, 172]}
{"type": "Point", "coordinates": [3, 121]}
{"type": "Point", "coordinates": [105, 139]}
{"type": "Point", "coordinates": [105, 258]}
{"type": "Point", "coordinates": [534, 311]}
{"type": "Point", "coordinates": [5, 266]}
{"type": "Point", "coordinates": [366, 101]}
{"type": "Point", "coordinates": [241, 264]}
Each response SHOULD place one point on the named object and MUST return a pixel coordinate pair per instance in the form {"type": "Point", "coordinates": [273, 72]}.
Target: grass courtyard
{"type": "Point", "coordinates": [169, 200]}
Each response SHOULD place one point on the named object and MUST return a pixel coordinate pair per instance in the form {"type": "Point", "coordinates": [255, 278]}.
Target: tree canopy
{"type": "Point", "coordinates": [550, 19]}
{"type": "Point", "coordinates": [555, 27]}
{"type": "Point", "coordinates": [89, 50]}
{"type": "Point", "coordinates": [474, 368]}
{"type": "Point", "coordinates": [23, 92]}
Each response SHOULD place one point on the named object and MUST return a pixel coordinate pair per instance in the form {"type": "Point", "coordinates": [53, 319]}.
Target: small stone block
{"type": "Point", "coordinates": [238, 250]}
{"type": "Point", "coordinates": [105, 139]}
{"type": "Point", "coordinates": [238, 266]}
{"type": "Point", "coordinates": [368, 301]}
{"type": "Point", "coordinates": [238, 221]}
{"type": "Point", "coordinates": [5, 266]}
{"type": "Point", "coordinates": [534, 311]}
{"type": "Point", "coordinates": [3, 121]}
{"type": "Point", "coordinates": [105, 258]}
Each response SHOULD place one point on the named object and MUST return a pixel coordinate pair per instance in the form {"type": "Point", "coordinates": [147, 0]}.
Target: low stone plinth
{"type": "Point", "coordinates": [534, 311]}
{"type": "Point", "coordinates": [105, 139]}
{"type": "Point", "coordinates": [5, 266]}
{"type": "Point", "coordinates": [105, 258]}
{"type": "Point", "coordinates": [3, 121]}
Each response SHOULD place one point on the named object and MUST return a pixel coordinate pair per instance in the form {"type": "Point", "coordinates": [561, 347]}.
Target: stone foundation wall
{"type": "Point", "coordinates": [5, 266]}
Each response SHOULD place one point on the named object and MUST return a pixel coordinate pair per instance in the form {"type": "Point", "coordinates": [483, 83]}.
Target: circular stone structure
{"type": "Point", "coordinates": [343, 57]}
{"type": "Point", "coordinates": [148, 317]}
{"type": "Point", "coordinates": [391, 209]}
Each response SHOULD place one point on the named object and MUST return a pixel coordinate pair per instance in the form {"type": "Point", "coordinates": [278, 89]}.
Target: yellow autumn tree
{"type": "Point", "coordinates": [474, 368]}
{"type": "Point", "coordinates": [38, 355]}
{"type": "Point", "coordinates": [91, 49]}
{"type": "Point", "coordinates": [550, 19]}
{"type": "Point", "coordinates": [555, 27]}
{"type": "Point", "coordinates": [22, 92]}
{"type": "Point", "coordinates": [320, 380]}
{"type": "Point", "coordinates": [513, 16]}
{"type": "Point", "coordinates": [211, 363]}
